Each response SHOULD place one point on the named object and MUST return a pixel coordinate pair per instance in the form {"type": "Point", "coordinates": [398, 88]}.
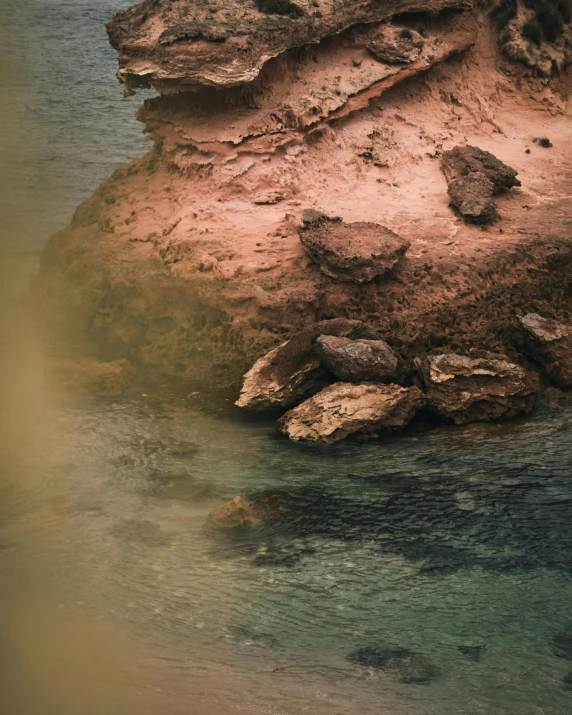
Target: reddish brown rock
{"type": "Point", "coordinates": [291, 372]}
{"type": "Point", "coordinates": [346, 409]}
{"type": "Point", "coordinates": [550, 344]}
{"type": "Point", "coordinates": [474, 177]}
{"type": "Point", "coordinates": [89, 378]}
{"type": "Point", "coordinates": [356, 360]}
{"type": "Point", "coordinates": [356, 252]}
{"type": "Point", "coordinates": [466, 389]}
{"type": "Point", "coordinates": [234, 514]}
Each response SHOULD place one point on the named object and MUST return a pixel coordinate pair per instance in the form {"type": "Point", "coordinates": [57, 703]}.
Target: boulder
{"type": "Point", "coordinates": [467, 389]}
{"type": "Point", "coordinates": [395, 45]}
{"type": "Point", "coordinates": [89, 378]}
{"type": "Point", "coordinates": [550, 344]}
{"type": "Point", "coordinates": [408, 666]}
{"type": "Point", "coordinates": [474, 177]}
{"type": "Point", "coordinates": [234, 514]}
{"type": "Point", "coordinates": [345, 409]}
{"type": "Point", "coordinates": [356, 360]}
{"type": "Point", "coordinates": [356, 252]}
{"type": "Point", "coordinates": [291, 372]}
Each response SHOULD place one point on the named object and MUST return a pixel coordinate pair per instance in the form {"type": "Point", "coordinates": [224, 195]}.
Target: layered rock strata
{"type": "Point", "coordinates": [550, 344]}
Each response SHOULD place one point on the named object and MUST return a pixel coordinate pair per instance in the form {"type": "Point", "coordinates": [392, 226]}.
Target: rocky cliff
{"type": "Point", "coordinates": [191, 261]}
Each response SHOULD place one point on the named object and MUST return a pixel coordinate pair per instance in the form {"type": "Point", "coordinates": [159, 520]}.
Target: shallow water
{"type": "Point", "coordinates": [115, 598]}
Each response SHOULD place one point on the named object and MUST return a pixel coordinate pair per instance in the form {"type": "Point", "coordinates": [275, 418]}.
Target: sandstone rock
{"type": "Point", "coordinates": [89, 378]}
{"type": "Point", "coordinates": [356, 360]}
{"type": "Point", "coordinates": [345, 409]}
{"type": "Point", "coordinates": [356, 252]}
{"type": "Point", "coordinates": [234, 514]}
{"type": "Point", "coordinates": [408, 666]}
{"type": "Point", "coordinates": [468, 389]}
{"type": "Point", "coordinates": [474, 177]}
{"type": "Point", "coordinates": [550, 344]}
{"type": "Point", "coordinates": [396, 45]}
{"type": "Point", "coordinates": [291, 372]}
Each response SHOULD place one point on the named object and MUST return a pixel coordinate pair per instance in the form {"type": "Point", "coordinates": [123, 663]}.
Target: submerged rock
{"type": "Point", "coordinates": [234, 514]}
{"type": "Point", "coordinates": [567, 681]}
{"type": "Point", "coordinates": [474, 177]}
{"type": "Point", "coordinates": [408, 666]}
{"type": "Point", "coordinates": [562, 644]}
{"type": "Point", "coordinates": [468, 389]}
{"type": "Point", "coordinates": [472, 652]}
{"type": "Point", "coordinates": [356, 360]}
{"type": "Point", "coordinates": [550, 344]}
{"type": "Point", "coordinates": [346, 409]}
{"type": "Point", "coordinates": [291, 372]}
{"type": "Point", "coordinates": [89, 378]}
{"type": "Point", "coordinates": [356, 252]}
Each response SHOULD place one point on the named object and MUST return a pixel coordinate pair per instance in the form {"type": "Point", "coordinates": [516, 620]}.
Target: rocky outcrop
{"type": "Point", "coordinates": [469, 389]}
{"type": "Point", "coordinates": [474, 178]}
{"type": "Point", "coordinates": [234, 514]}
{"type": "Point", "coordinates": [227, 42]}
{"type": "Point", "coordinates": [537, 33]}
{"type": "Point", "coordinates": [291, 372]}
{"type": "Point", "coordinates": [356, 252]}
{"type": "Point", "coordinates": [345, 409]}
{"type": "Point", "coordinates": [550, 344]}
{"type": "Point", "coordinates": [89, 378]}
{"type": "Point", "coordinates": [357, 360]}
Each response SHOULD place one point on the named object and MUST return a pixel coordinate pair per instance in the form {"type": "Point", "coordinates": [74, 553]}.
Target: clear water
{"type": "Point", "coordinates": [115, 598]}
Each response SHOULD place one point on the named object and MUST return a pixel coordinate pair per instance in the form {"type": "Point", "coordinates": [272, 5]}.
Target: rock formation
{"type": "Point", "coordinates": [357, 252]}
{"type": "Point", "coordinates": [356, 360]}
{"type": "Point", "coordinates": [345, 409]}
{"type": "Point", "coordinates": [474, 177]}
{"type": "Point", "coordinates": [468, 389]}
{"type": "Point", "coordinates": [234, 514]}
{"type": "Point", "coordinates": [291, 372]}
{"type": "Point", "coordinates": [550, 344]}
{"type": "Point", "coordinates": [189, 261]}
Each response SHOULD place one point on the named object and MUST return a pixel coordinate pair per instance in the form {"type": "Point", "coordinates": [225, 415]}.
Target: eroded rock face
{"type": "Point", "coordinates": [345, 409]}
{"type": "Point", "coordinates": [535, 32]}
{"type": "Point", "coordinates": [468, 389]}
{"type": "Point", "coordinates": [396, 45]}
{"type": "Point", "coordinates": [227, 42]}
{"type": "Point", "coordinates": [356, 360]}
{"type": "Point", "coordinates": [550, 344]}
{"type": "Point", "coordinates": [234, 514]}
{"type": "Point", "coordinates": [356, 252]}
{"type": "Point", "coordinates": [89, 378]}
{"type": "Point", "coordinates": [292, 371]}
{"type": "Point", "coordinates": [474, 178]}
{"type": "Point", "coordinates": [409, 667]}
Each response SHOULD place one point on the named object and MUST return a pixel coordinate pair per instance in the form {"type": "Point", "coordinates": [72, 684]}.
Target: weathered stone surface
{"type": "Point", "coordinates": [291, 372]}
{"type": "Point", "coordinates": [396, 45]}
{"type": "Point", "coordinates": [356, 252]}
{"type": "Point", "coordinates": [408, 666]}
{"type": "Point", "coordinates": [345, 409]}
{"type": "Point", "coordinates": [550, 344]}
{"type": "Point", "coordinates": [468, 389]}
{"type": "Point", "coordinates": [539, 34]}
{"type": "Point", "coordinates": [227, 42]}
{"type": "Point", "coordinates": [89, 378]}
{"type": "Point", "coordinates": [474, 177]}
{"type": "Point", "coordinates": [356, 360]}
{"type": "Point", "coordinates": [234, 514]}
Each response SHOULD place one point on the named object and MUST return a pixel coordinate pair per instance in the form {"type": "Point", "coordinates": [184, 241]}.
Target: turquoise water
{"type": "Point", "coordinates": [116, 598]}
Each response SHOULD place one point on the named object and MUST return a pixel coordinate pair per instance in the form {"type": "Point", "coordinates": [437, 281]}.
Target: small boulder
{"type": "Point", "coordinates": [474, 177]}
{"type": "Point", "coordinates": [409, 667]}
{"type": "Point", "coordinates": [234, 514]}
{"type": "Point", "coordinates": [395, 45]}
{"type": "Point", "coordinates": [292, 372]}
{"type": "Point", "coordinates": [356, 252]}
{"type": "Point", "coordinates": [345, 409]}
{"type": "Point", "coordinates": [89, 378]}
{"type": "Point", "coordinates": [468, 389]}
{"type": "Point", "coordinates": [550, 344]}
{"type": "Point", "coordinates": [356, 360]}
